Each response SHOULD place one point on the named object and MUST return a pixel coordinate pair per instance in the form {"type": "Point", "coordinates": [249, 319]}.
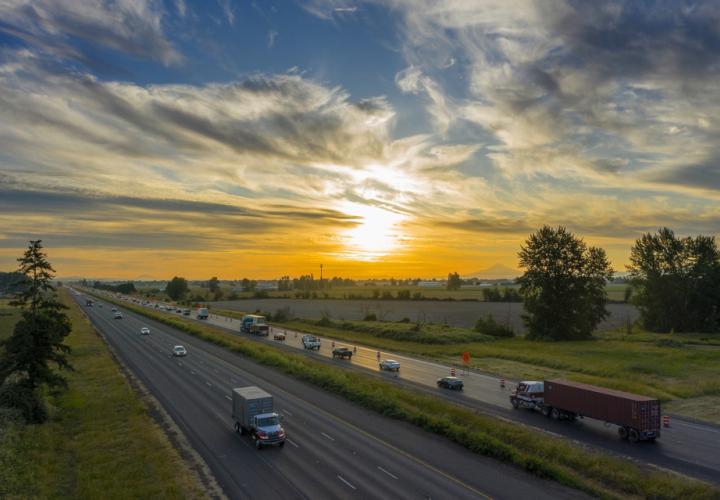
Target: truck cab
{"type": "Point", "coordinates": [311, 342]}
{"type": "Point", "coordinates": [255, 324]}
{"type": "Point", "coordinates": [202, 313]}
{"type": "Point", "coordinates": [266, 430]}
{"type": "Point", "coordinates": [528, 394]}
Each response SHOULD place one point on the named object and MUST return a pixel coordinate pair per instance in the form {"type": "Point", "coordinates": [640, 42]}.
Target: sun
{"type": "Point", "coordinates": [377, 234]}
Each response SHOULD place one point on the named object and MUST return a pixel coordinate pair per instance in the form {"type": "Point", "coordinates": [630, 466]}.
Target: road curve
{"type": "Point", "coordinates": [335, 449]}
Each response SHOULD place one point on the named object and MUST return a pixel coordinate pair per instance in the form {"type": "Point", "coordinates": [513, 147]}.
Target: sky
{"type": "Point", "coordinates": [145, 139]}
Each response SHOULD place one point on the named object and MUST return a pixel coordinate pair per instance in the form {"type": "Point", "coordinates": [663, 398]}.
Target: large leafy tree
{"type": "Point", "coordinates": [177, 288]}
{"type": "Point", "coordinates": [454, 282]}
{"type": "Point", "coordinates": [36, 345]}
{"type": "Point", "coordinates": [563, 286]}
{"type": "Point", "coordinates": [213, 284]}
{"type": "Point", "coordinates": [676, 282]}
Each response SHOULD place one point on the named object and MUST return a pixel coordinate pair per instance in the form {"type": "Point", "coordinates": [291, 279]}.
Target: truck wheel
{"type": "Point", "coordinates": [515, 403]}
{"type": "Point", "coordinates": [546, 411]}
{"type": "Point", "coordinates": [282, 443]}
{"type": "Point", "coordinates": [634, 436]}
{"type": "Point", "coordinates": [623, 432]}
{"type": "Point", "coordinates": [237, 427]}
{"type": "Point", "coordinates": [555, 413]}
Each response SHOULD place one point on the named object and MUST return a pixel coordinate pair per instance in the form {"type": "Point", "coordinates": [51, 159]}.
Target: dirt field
{"type": "Point", "coordinates": [463, 314]}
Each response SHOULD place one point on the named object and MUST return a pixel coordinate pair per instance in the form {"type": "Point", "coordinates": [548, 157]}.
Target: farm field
{"type": "Point", "coordinates": [459, 314]}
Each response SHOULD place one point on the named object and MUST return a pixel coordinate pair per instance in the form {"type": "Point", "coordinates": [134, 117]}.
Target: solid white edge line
{"type": "Point", "coordinates": [345, 481]}
{"type": "Point", "coordinates": [388, 473]}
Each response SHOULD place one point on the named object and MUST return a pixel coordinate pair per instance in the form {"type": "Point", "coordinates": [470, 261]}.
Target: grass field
{"type": "Point", "coordinates": [537, 453]}
{"type": "Point", "coordinates": [100, 441]}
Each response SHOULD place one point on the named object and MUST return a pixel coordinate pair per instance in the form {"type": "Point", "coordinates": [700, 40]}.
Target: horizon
{"type": "Point", "coordinates": [169, 138]}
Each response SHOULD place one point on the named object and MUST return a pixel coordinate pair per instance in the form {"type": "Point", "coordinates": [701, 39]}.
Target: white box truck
{"type": "Point", "coordinates": [202, 313]}
{"type": "Point", "coordinates": [252, 411]}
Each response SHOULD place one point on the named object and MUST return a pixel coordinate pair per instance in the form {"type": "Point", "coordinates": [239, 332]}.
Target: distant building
{"type": "Point", "coordinates": [266, 285]}
{"type": "Point", "coordinates": [431, 284]}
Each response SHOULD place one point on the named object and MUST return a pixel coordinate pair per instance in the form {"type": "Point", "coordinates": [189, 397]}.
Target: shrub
{"type": "Point", "coordinates": [282, 315]}
{"type": "Point", "coordinates": [20, 396]}
{"type": "Point", "coordinates": [489, 326]}
{"type": "Point", "coordinates": [370, 317]}
{"type": "Point", "coordinates": [403, 294]}
{"type": "Point", "coordinates": [404, 320]}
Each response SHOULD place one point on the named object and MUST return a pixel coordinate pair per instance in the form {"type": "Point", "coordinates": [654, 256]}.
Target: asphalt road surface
{"type": "Point", "coordinates": [688, 447]}
{"type": "Point", "coordinates": [335, 449]}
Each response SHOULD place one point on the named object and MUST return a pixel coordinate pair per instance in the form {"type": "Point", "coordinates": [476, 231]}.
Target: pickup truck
{"type": "Point", "coordinates": [311, 342]}
{"type": "Point", "coordinates": [342, 352]}
{"type": "Point", "coordinates": [252, 411]}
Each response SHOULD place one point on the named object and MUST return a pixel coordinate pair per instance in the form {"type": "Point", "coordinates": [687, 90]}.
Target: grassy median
{"type": "Point", "coordinates": [537, 453]}
{"type": "Point", "coordinates": [99, 442]}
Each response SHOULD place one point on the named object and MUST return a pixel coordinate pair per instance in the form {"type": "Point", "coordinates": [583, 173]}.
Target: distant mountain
{"type": "Point", "coordinates": [496, 271]}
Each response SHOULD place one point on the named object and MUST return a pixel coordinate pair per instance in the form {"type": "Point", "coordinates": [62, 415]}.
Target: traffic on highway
{"type": "Point", "coordinates": [318, 445]}
{"type": "Point", "coordinates": [689, 447]}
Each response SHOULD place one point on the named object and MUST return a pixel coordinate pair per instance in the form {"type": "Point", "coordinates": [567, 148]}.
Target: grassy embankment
{"type": "Point", "coordinates": [683, 370]}
{"type": "Point", "coordinates": [99, 442]}
{"type": "Point", "coordinates": [545, 456]}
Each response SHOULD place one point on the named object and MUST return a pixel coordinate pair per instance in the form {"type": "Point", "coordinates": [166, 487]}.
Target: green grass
{"type": "Point", "coordinates": [537, 453]}
{"type": "Point", "coordinates": [100, 441]}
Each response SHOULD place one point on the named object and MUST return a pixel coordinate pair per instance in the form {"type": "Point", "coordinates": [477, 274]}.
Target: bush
{"type": "Point", "coordinates": [260, 294]}
{"type": "Point", "coordinates": [370, 317]}
{"type": "Point", "coordinates": [403, 294]}
{"type": "Point", "coordinates": [404, 320]}
{"type": "Point", "coordinates": [489, 326]}
{"type": "Point", "coordinates": [21, 397]}
{"type": "Point", "coordinates": [669, 343]}
{"type": "Point", "coordinates": [282, 315]}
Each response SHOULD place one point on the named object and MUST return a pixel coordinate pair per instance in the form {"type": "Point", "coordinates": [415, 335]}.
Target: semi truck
{"type": "Point", "coordinates": [637, 417]}
{"type": "Point", "coordinates": [255, 324]}
{"type": "Point", "coordinates": [252, 412]}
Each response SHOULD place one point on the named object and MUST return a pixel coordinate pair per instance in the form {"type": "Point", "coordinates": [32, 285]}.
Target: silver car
{"type": "Point", "coordinates": [390, 365]}
{"type": "Point", "coordinates": [179, 350]}
{"type": "Point", "coordinates": [144, 330]}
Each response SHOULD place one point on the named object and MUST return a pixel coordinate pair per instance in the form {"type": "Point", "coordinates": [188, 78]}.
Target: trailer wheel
{"type": "Point", "coordinates": [634, 436]}
{"type": "Point", "coordinates": [555, 413]}
{"type": "Point", "coordinates": [546, 410]}
{"type": "Point", "coordinates": [515, 403]}
{"type": "Point", "coordinates": [623, 432]}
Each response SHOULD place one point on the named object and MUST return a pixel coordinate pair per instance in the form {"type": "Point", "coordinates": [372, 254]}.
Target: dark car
{"type": "Point", "coordinates": [342, 352]}
{"type": "Point", "coordinates": [452, 383]}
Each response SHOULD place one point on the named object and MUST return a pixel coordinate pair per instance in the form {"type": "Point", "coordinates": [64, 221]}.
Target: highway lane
{"type": "Point", "coordinates": [328, 455]}
{"type": "Point", "coordinates": [687, 447]}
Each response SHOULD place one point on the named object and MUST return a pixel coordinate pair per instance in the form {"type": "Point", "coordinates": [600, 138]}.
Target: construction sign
{"type": "Point", "coordinates": [466, 358]}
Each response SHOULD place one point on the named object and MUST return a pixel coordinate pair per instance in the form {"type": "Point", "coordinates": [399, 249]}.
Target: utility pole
{"type": "Point", "coordinates": [321, 278]}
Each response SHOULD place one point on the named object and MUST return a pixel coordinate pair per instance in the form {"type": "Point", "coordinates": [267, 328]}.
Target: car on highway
{"type": "Point", "coordinates": [114, 309]}
{"type": "Point", "coordinates": [311, 342]}
{"type": "Point", "coordinates": [452, 383]}
{"type": "Point", "coordinates": [390, 365]}
{"type": "Point", "coordinates": [186, 312]}
{"type": "Point", "coordinates": [117, 315]}
{"type": "Point", "coordinates": [144, 330]}
{"type": "Point", "coordinates": [179, 351]}
{"type": "Point", "coordinates": [279, 336]}
{"type": "Point", "coordinates": [342, 352]}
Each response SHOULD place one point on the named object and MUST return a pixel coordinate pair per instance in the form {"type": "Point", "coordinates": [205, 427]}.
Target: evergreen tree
{"type": "Point", "coordinates": [37, 340]}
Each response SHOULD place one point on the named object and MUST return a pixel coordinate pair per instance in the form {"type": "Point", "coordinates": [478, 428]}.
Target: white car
{"type": "Point", "coordinates": [390, 365]}
{"type": "Point", "coordinates": [179, 350]}
{"type": "Point", "coordinates": [144, 330]}
{"type": "Point", "coordinates": [117, 315]}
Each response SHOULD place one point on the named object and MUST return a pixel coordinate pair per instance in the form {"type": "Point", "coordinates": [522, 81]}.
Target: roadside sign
{"type": "Point", "coordinates": [466, 358]}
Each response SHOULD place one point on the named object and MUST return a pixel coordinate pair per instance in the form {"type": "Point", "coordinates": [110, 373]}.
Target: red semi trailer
{"type": "Point", "coordinates": [637, 417]}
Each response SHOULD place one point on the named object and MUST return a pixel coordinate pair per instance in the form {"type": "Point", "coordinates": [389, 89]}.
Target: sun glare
{"type": "Point", "coordinates": [378, 233]}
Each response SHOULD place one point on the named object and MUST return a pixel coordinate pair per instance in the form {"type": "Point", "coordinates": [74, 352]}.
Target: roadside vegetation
{"type": "Point", "coordinates": [97, 439]}
{"type": "Point", "coordinates": [537, 453]}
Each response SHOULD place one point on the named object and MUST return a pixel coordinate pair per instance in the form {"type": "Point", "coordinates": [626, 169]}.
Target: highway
{"type": "Point", "coordinates": [335, 449]}
{"type": "Point", "coordinates": [688, 447]}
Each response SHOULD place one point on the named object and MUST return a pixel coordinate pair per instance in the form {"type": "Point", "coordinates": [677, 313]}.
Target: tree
{"type": "Point", "coordinates": [454, 282]}
{"type": "Point", "coordinates": [213, 284]}
{"type": "Point", "coordinates": [563, 286]}
{"type": "Point", "coordinates": [248, 285]}
{"type": "Point", "coordinates": [176, 288]}
{"type": "Point", "coordinates": [37, 340]}
{"type": "Point", "coordinates": [676, 282]}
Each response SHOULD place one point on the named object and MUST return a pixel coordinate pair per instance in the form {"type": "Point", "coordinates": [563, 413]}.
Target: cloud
{"type": "Point", "coordinates": [271, 37]}
{"type": "Point", "coordinates": [130, 26]}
